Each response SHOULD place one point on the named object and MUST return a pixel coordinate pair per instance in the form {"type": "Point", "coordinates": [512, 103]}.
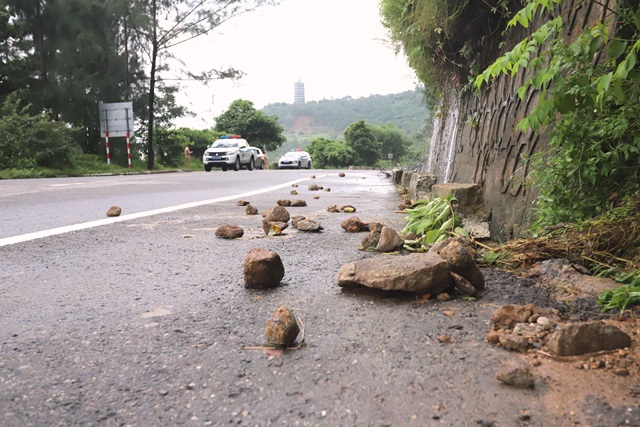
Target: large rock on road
{"type": "Point", "coordinates": [424, 273]}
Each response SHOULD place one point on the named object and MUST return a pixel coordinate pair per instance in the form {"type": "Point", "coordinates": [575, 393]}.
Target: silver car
{"type": "Point", "coordinates": [295, 159]}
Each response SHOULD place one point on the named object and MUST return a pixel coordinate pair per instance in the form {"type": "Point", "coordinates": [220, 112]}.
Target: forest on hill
{"type": "Point", "coordinates": [408, 111]}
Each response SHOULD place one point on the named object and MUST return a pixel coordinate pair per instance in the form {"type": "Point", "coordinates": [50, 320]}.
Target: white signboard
{"type": "Point", "coordinates": [116, 119]}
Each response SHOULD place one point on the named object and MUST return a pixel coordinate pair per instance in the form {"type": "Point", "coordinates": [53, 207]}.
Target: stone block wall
{"type": "Point", "coordinates": [475, 140]}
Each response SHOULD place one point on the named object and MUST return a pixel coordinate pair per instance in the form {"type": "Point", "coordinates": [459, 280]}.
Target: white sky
{"type": "Point", "coordinates": [337, 48]}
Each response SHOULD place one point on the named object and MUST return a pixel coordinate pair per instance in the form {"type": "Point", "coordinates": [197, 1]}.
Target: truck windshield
{"type": "Point", "coordinates": [221, 143]}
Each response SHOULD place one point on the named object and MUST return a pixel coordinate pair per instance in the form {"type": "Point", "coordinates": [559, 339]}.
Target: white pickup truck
{"type": "Point", "coordinates": [229, 151]}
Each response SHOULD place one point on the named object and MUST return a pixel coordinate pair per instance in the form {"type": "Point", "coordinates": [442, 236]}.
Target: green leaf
{"type": "Point", "coordinates": [617, 48]}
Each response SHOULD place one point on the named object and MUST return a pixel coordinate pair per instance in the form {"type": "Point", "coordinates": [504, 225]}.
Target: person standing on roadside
{"type": "Point", "coordinates": [187, 155]}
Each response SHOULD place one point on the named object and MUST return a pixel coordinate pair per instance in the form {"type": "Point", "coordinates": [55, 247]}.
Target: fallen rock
{"type": "Point", "coordinates": [277, 214]}
{"type": "Point", "coordinates": [295, 219]}
{"type": "Point", "coordinates": [114, 211]}
{"type": "Point", "coordinates": [327, 189]}
{"type": "Point", "coordinates": [341, 175]}
{"type": "Point", "coordinates": [460, 259]}
{"type": "Point", "coordinates": [587, 337]}
{"type": "Point", "coordinates": [389, 240]}
{"type": "Point", "coordinates": [516, 374]}
{"type": "Point", "coordinates": [347, 209]}
{"type": "Point", "coordinates": [507, 316]}
{"type": "Point", "coordinates": [284, 202]}
{"type": "Point", "coordinates": [242, 203]}
{"type": "Point", "coordinates": [282, 328]}
{"type": "Point", "coordinates": [354, 225]}
{"type": "Point", "coordinates": [273, 228]}
{"type": "Point", "coordinates": [262, 269]}
{"type": "Point", "coordinates": [308, 225]}
{"type": "Point", "coordinates": [370, 241]}
{"type": "Point", "coordinates": [250, 210]}
{"type": "Point", "coordinates": [462, 285]}
{"type": "Point", "coordinates": [423, 273]}
{"type": "Point", "coordinates": [298, 203]}
{"type": "Point", "coordinates": [293, 192]}
{"type": "Point", "coordinates": [316, 197]}
{"type": "Point", "coordinates": [229, 231]}
{"type": "Point", "coordinates": [315, 187]}
{"type": "Point", "coordinates": [333, 209]}
{"type": "Point", "coordinates": [405, 204]}
{"type": "Point", "coordinates": [294, 185]}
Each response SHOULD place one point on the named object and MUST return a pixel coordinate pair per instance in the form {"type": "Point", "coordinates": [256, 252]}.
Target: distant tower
{"type": "Point", "coordinates": [298, 92]}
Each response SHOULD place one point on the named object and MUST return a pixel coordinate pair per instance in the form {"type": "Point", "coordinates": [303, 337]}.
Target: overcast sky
{"type": "Point", "coordinates": [337, 48]}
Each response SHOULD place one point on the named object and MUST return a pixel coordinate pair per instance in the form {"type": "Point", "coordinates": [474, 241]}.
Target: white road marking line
{"type": "Point", "coordinates": [83, 226]}
{"type": "Point", "coordinates": [67, 185]}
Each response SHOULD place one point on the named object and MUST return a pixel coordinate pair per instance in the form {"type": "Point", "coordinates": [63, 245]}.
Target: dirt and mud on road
{"type": "Point", "coordinates": [146, 322]}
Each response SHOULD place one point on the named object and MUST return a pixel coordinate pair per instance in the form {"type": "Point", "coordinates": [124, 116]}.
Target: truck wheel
{"type": "Point", "coordinates": [207, 168]}
{"type": "Point", "coordinates": [224, 168]}
{"type": "Point", "coordinates": [236, 165]}
{"type": "Point", "coordinates": [299, 165]}
{"type": "Point", "coordinates": [309, 165]}
{"type": "Point", "coordinates": [252, 164]}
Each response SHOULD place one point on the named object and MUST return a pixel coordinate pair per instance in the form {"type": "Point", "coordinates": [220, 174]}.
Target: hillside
{"type": "Point", "coordinates": [407, 111]}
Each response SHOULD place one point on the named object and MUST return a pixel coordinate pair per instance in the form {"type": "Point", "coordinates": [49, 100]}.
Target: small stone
{"type": "Point", "coordinates": [516, 375]}
{"type": "Point", "coordinates": [293, 192]}
{"type": "Point", "coordinates": [295, 219]}
{"type": "Point", "coordinates": [250, 210]}
{"type": "Point", "coordinates": [354, 225]}
{"type": "Point", "coordinates": [294, 185]}
{"type": "Point", "coordinates": [341, 175]}
{"type": "Point", "coordinates": [313, 177]}
{"type": "Point", "coordinates": [277, 214]}
{"type": "Point", "coordinates": [623, 372]}
{"type": "Point", "coordinates": [262, 269]}
{"type": "Point", "coordinates": [333, 209]}
{"type": "Point", "coordinates": [242, 203]}
{"type": "Point", "coordinates": [327, 189]}
{"type": "Point", "coordinates": [347, 209]}
{"type": "Point", "coordinates": [314, 187]}
{"type": "Point", "coordinates": [282, 328]}
{"type": "Point", "coordinates": [284, 202]}
{"type": "Point", "coordinates": [308, 225]}
{"type": "Point", "coordinates": [444, 339]}
{"type": "Point", "coordinates": [273, 228]}
{"type": "Point", "coordinates": [229, 231]}
{"type": "Point", "coordinates": [443, 296]}
{"type": "Point", "coordinates": [298, 203]}
{"type": "Point", "coordinates": [114, 211]}
{"type": "Point", "coordinates": [316, 197]}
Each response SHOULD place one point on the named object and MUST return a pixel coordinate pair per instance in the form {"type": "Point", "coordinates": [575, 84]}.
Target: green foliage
{"type": "Point", "coordinates": [409, 111]}
{"type": "Point", "coordinates": [360, 137]}
{"type": "Point", "coordinates": [392, 141]}
{"type": "Point", "coordinates": [444, 40]}
{"type": "Point", "coordinates": [30, 141]}
{"type": "Point", "coordinates": [432, 221]}
{"type": "Point", "coordinates": [623, 296]}
{"type": "Point", "coordinates": [587, 107]}
{"type": "Point", "coordinates": [330, 154]}
{"type": "Point", "coordinates": [256, 127]}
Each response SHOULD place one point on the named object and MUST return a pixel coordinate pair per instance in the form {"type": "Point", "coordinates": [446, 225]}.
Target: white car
{"type": "Point", "coordinates": [229, 152]}
{"type": "Point", "coordinates": [261, 158]}
{"type": "Point", "coordinates": [295, 159]}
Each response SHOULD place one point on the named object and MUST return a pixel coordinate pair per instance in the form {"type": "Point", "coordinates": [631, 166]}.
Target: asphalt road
{"type": "Point", "coordinates": [144, 321]}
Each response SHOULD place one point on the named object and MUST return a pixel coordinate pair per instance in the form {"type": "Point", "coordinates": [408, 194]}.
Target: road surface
{"type": "Point", "coordinates": [144, 321]}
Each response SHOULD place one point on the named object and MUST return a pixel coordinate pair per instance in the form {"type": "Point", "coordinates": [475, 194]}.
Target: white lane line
{"type": "Point", "coordinates": [83, 226]}
{"type": "Point", "coordinates": [67, 185]}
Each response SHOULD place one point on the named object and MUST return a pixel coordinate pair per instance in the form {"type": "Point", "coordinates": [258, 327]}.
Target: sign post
{"type": "Point", "coordinates": [116, 120]}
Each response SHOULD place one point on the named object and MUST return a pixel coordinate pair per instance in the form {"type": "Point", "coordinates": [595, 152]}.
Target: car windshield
{"type": "Point", "coordinates": [293, 154]}
{"type": "Point", "coordinates": [225, 143]}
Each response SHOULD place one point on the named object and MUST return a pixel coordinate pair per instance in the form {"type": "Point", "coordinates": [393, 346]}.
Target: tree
{"type": "Point", "coordinates": [259, 129]}
{"type": "Point", "coordinates": [328, 153]}
{"type": "Point", "coordinates": [27, 140]}
{"type": "Point", "coordinates": [173, 22]}
{"type": "Point", "coordinates": [362, 140]}
{"type": "Point", "coordinates": [392, 140]}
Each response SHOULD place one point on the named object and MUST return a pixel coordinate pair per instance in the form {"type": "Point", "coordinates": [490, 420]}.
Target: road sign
{"type": "Point", "coordinates": [116, 119]}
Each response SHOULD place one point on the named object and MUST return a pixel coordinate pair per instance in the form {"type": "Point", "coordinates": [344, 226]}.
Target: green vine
{"type": "Point", "coordinates": [588, 91]}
